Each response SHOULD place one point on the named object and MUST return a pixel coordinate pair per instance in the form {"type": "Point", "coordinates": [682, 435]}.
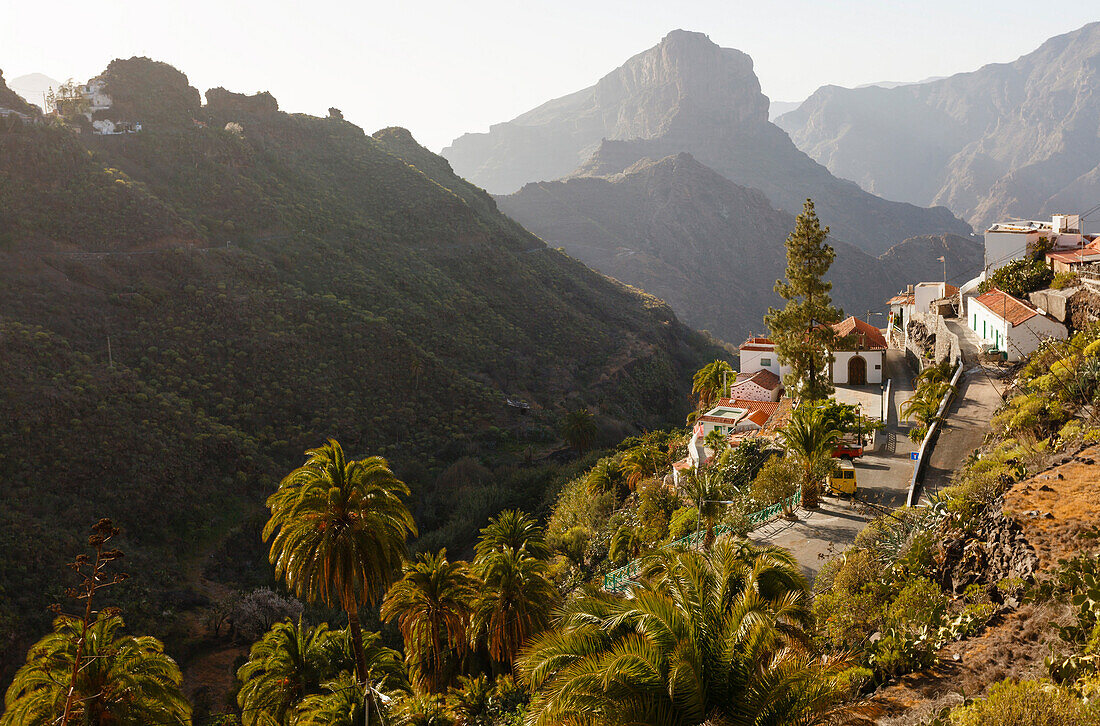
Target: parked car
{"type": "Point", "coordinates": [849, 447]}
{"type": "Point", "coordinates": [843, 479]}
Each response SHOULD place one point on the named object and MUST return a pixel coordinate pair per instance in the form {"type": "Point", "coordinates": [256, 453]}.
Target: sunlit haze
{"type": "Point", "coordinates": [443, 69]}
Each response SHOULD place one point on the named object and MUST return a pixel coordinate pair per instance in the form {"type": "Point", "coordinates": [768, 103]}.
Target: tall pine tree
{"type": "Point", "coordinates": [800, 330]}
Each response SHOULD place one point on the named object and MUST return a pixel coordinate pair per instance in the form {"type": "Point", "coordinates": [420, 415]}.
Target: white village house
{"type": "Point", "coordinates": [1010, 325]}
{"type": "Point", "coordinates": [859, 356]}
{"type": "Point", "coordinates": [761, 385]}
{"type": "Point", "coordinates": [1012, 240]}
{"type": "Point", "coordinates": [759, 354]}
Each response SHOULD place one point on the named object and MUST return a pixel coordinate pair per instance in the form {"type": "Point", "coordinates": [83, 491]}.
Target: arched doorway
{"type": "Point", "coordinates": [857, 371]}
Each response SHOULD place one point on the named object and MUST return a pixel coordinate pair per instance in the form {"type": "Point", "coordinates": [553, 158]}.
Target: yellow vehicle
{"type": "Point", "coordinates": [843, 478]}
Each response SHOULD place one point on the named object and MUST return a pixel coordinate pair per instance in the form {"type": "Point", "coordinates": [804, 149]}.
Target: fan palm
{"type": "Point", "coordinates": [337, 531]}
{"type": "Point", "coordinates": [432, 603]}
{"type": "Point", "coordinates": [811, 439]}
{"type": "Point", "coordinates": [515, 601]}
{"type": "Point", "coordinates": [710, 381]}
{"type": "Point", "coordinates": [709, 494]}
{"type": "Point", "coordinates": [579, 429]}
{"type": "Point", "coordinates": [641, 462]}
{"type": "Point", "coordinates": [515, 529]}
{"type": "Point", "coordinates": [284, 666]}
{"type": "Point", "coordinates": [123, 680]}
{"type": "Point", "coordinates": [707, 637]}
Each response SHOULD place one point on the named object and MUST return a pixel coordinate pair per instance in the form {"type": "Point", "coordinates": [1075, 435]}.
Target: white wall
{"type": "Point", "coordinates": [1004, 247]}
{"type": "Point", "coordinates": [752, 392]}
{"type": "Point", "coordinates": [924, 293]}
{"type": "Point", "coordinates": [1026, 337]}
{"type": "Point", "coordinates": [1017, 340]}
{"type": "Point", "coordinates": [873, 357]}
{"type": "Point", "coordinates": [755, 360]}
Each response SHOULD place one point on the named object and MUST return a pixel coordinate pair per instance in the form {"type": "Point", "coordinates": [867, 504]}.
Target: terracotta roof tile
{"type": "Point", "coordinates": [1006, 307]}
{"type": "Point", "coordinates": [763, 378]}
{"type": "Point", "coordinates": [869, 337]}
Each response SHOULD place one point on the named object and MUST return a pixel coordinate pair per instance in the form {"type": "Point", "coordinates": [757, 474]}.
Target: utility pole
{"type": "Point", "coordinates": [110, 357]}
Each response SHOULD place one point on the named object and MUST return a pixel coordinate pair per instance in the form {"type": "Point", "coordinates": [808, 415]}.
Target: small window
{"type": "Point", "coordinates": [849, 475]}
{"type": "Point", "coordinates": [765, 361]}
{"type": "Point", "coordinates": [878, 367]}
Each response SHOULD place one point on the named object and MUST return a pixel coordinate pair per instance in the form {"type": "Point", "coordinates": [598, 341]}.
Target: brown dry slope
{"type": "Point", "coordinates": [1055, 509]}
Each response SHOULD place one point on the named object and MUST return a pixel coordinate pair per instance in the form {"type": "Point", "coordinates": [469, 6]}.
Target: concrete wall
{"type": "Point", "coordinates": [1004, 247]}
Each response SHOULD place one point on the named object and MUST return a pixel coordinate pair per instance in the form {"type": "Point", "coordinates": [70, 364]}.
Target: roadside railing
{"type": "Point", "coordinates": [619, 581]}
{"type": "Point", "coordinates": [930, 438]}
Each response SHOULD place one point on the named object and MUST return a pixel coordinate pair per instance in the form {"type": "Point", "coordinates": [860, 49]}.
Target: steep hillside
{"type": "Point", "coordinates": [1014, 138]}
{"type": "Point", "coordinates": [712, 249]}
{"type": "Point", "coordinates": [190, 307]}
{"type": "Point", "coordinates": [686, 95]}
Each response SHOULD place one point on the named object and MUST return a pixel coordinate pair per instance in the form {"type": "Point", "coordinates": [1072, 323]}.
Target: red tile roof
{"type": "Point", "coordinates": [749, 405]}
{"type": "Point", "coordinates": [868, 337]}
{"type": "Point", "coordinates": [763, 378]}
{"type": "Point", "coordinates": [759, 417]}
{"type": "Point", "coordinates": [905, 298]}
{"type": "Point", "coordinates": [1085, 254]}
{"type": "Point", "coordinates": [1006, 307]}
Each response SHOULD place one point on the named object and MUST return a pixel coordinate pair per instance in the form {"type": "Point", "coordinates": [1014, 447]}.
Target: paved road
{"type": "Point", "coordinates": [967, 419]}
{"type": "Point", "coordinates": [883, 483]}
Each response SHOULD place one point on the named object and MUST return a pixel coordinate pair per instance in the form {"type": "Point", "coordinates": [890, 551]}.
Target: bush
{"type": "Point", "coordinates": [1025, 703]}
{"type": "Point", "coordinates": [1062, 280]}
{"type": "Point", "coordinates": [1019, 277]}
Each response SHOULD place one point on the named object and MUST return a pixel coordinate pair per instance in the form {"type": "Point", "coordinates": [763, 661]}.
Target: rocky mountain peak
{"type": "Point", "coordinates": [682, 85]}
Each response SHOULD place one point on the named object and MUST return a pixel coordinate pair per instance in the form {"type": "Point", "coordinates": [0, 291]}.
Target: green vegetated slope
{"type": "Point", "coordinates": [183, 311]}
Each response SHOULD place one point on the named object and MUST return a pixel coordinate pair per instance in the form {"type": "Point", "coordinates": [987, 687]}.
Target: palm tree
{"type": "Point", "coordinates": [422, 709]}
{"type": "Point", "coordinates": [122, 680]}
{"type": "Point", "coordinates": [626, 543]}
{"type": "Point", "coordinates": [341, 703]}
{"type": "Point", "coordinates": [712, 381]}
{"type": "Point", "coordinates": [515, 601]}
{"type": "Point", "coordinates": [284, 666]}
{"type": "Point", "coordinates": [339, 531]}
{"type": "Point", "coordinates": [432, 603]}
{"type": "Point", "coordinates": [579, 429]}
{"type": "Point", "coordinates": [605, 476]}
{"type": "Point", "coordinates": [471, 703]}
{"type": "Point", "coordinates": [641, 462]}
{"type": "Point", "coordinates": [811, 439]}
{"type": "Point", "coordinates": [512, 528]}
{"type": "Point", "coordinates": [708, 493]}
{"type": "Point", "coordinates": [706, 637]}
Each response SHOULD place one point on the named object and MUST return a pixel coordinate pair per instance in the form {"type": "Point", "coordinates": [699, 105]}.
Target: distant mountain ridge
{"type": "Point", "coordinates": [33, 87]}
{"type": "Point", "coordinates": [711, 248]}
{"type": "Point", "coordinates": [686, 94]}
{"type": "Point", "coordinates": [1009, 139]}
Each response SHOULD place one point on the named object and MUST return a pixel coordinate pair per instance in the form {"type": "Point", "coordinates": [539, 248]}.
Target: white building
{"type": "Point", "coordinates": [759, 354]}
{"type": "Point", "coordinates": [859, 356]}
{"type": "Point", "coordinates": [761, 385]}
{"type": "Point", "coordinates": [1010, 325]}
{"type": "Point", "coordinates": [1008, 241]}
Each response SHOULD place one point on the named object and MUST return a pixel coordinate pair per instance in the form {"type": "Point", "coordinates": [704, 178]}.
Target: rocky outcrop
{"type": "Point", "coordinates": [1010, 139]}
{"type": "Point", "coordinates": [995, 550]}
{"type": "Point", "coordinates": [686, 94]}
{"type": "Point", "coordinates": [220, 100]}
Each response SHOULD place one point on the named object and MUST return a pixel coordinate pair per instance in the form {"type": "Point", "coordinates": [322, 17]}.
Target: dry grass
{"type": "Point", "coordinates": [1059, 511]}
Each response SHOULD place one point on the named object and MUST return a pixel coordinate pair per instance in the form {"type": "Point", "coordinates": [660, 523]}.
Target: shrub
{"type": "Point", "coordinates": [1025, 703]}
{"type": "Point", "coordinates": [1062, 280]}
{"type": "Point", "coordinates": [1019, 277]}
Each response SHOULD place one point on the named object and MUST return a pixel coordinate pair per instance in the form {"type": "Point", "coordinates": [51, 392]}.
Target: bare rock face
{"type": "Point", "coordinates": [686, 94]}
{"type": "Point", "coordinates": [1016, 138]}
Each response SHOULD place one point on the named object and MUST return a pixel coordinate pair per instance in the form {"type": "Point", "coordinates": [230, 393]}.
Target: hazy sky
{"type": "Point", "coordinates": [444, 68]}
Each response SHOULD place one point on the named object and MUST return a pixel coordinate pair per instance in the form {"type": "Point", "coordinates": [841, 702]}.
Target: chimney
{"type": "Point", "coordinates": [909, 290]}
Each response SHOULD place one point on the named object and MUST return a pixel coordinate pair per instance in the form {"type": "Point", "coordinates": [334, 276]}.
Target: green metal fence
{"type": "Point", "coordinates": [618, 581]}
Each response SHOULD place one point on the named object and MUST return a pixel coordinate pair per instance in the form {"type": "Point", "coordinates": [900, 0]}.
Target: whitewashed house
{"type": "Point", "coordinates": [1012, 240]}
{"type": "Point", "coordinates": [761, 385]}
{"type": "Point", "coordinates": [859, 355]}
{"type": "Point", "coordinates": [1009, 325]}
{"type": "Point", "coordinates": [759, 354]}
